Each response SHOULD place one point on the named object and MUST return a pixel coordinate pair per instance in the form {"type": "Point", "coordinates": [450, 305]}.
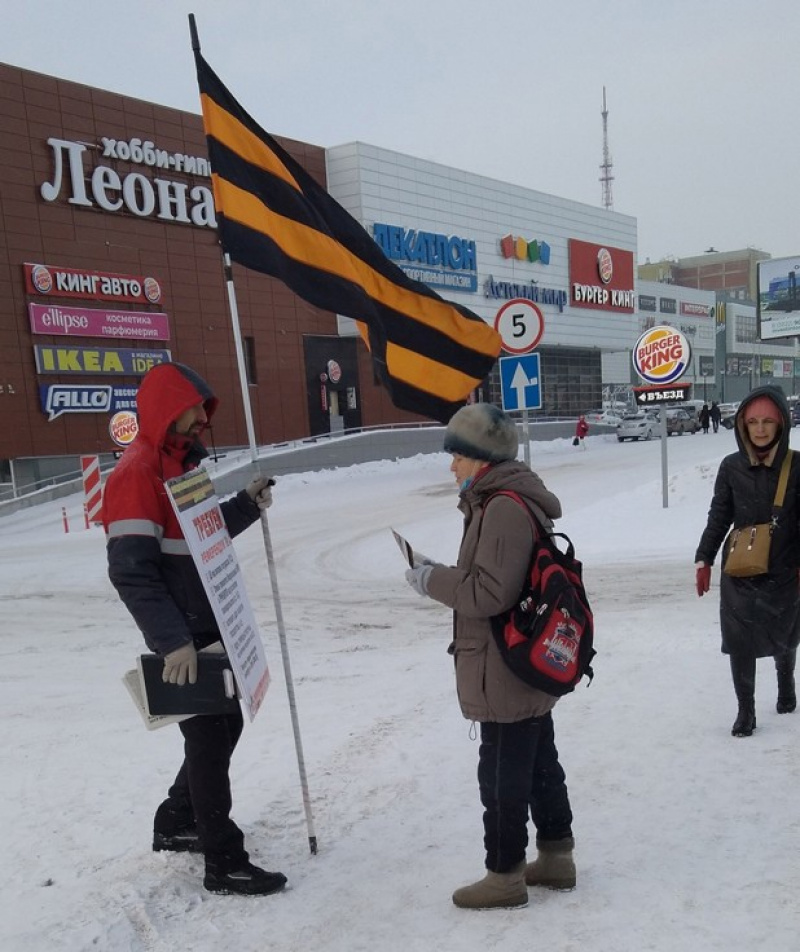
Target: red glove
{"type": "Point", "coordinates": [703, 578]}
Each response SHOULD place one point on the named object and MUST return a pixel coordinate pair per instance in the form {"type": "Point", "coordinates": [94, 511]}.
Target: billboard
{"type": "Point", "coordinates": [99, 285]}
{"type": "Point", "coordinates": [601, 277]}
{"type": "Point", "coordinates": [778, 304]}
{"type": "Point", "coordinates": [97, 322]}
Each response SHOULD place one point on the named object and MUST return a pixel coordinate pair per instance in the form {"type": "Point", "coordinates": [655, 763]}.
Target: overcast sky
{"type": "Point", "coordinates": [701, 93]}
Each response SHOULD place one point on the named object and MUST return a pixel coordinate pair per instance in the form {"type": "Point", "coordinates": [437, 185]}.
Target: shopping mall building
{"type": "Point", "coordinates": [109, 262]}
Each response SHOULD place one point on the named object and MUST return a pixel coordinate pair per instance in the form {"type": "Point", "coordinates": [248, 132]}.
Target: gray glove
{"type": "Point", "coordinates": [180, 665]}
{"type": "Point", "coordinates": [417, 577]}
{"type": "Point", "coordinates": [260, 491]}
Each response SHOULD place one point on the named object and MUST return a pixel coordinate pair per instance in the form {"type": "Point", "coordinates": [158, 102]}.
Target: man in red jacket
{"type": "Point", "coordinates": [150, 566]}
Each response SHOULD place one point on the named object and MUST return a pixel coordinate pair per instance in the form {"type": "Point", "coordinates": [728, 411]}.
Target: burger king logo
{"type": "Point", "coordinates": [152, 290]}
{"type": "Point", "coordinates": [661, 355]}
{"type": "Point", "coordinates": [42, 279]}
{"type": "Point", "coordinates": [605, 265]}
{"type": "Point", "coordinates": [123, 427]}
{"type": "Point", "coordinates": [334, 371]}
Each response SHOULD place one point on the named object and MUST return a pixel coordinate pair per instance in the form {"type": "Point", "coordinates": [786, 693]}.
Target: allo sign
{"type": "Point", "coordinates": [661, 355]}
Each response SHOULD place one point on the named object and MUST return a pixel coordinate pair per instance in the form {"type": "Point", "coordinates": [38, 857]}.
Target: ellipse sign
{"type": "Point", "coordinates": [661, 355]}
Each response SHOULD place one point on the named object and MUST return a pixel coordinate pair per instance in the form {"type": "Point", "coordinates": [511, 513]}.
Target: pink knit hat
{"type": "Point", "coordinates": [764, 408]}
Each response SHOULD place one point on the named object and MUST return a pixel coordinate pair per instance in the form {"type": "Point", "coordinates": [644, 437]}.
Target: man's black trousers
{"type": "Point", "coordinates": [201, 792]}
{"type": "Point", "coordinates": [518, 772]}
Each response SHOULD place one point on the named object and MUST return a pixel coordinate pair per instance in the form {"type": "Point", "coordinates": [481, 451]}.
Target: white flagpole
{"type": "Point", "coordinates": [237, 338]}
{"type": "Point", "coordinates": [287, 667]}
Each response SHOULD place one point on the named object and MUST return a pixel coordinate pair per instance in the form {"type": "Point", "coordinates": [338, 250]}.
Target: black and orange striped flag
{"type": "Point", "coordinates": [273, 217]}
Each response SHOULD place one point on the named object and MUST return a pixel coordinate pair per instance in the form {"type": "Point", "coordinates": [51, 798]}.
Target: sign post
{"type": "Point", "coordinates": [706, 367]}
{"type": "Point", "coordinates": [92, 489]}
{"type": "Point", "coordinates": [661, 357]}
{"type": "Point", "coordinates": [521, 390]}
{"type": "Point", "coordinates": [520, 324]}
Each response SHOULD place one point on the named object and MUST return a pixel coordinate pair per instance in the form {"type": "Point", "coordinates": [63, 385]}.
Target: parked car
{"type": "Point", "coordinates": [610, 417]}
{"type": "Point", "coordinates": [728, 412]}
{"type": "Point", "coordinates": [680, 422]}
{"type": "Point", "coordinates": [693, 407]}
{"type": "Point", "coordinates": [637, 426]}
{"type": "Point", "coordinates": [796, 414]}
{"type": "Point", "coordinates": [694, 424]}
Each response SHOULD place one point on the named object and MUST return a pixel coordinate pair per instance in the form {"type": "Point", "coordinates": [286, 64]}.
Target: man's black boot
{"type": "Point", "coordinates": [174, 829]}
{"type": "Point", "coordinates": [244, 880]}
{"type": "Point", "coordinates": [181, 841]}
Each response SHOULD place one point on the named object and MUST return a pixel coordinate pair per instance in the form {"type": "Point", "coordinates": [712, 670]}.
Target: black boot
{"type": "Point", "coordinates": [242, 879]}
{"type": "Point", "coordinates": [787, 697]}
{"type": "Point", "coordinates": [174, 827]}
{"type": "Point", "coordinates": [745, 722]}
{"type": "Point", "coordinates": [186, 840]}
{"type": "Point", "coordinates": [743, 671]}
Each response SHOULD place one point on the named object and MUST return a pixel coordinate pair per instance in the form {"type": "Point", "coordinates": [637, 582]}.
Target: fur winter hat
{"type": "Point", "coordinates": [765, 408]}
{"type": "Point", "coordinates": [482, 431]}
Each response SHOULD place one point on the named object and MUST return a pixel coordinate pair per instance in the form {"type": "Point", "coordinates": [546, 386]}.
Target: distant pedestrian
{"type": "Point", "coordinates": [716, 415]}
{"type": "Point", "coordinates": [705, 417]}
{"type": "Point", "coordinates": [581, 429]}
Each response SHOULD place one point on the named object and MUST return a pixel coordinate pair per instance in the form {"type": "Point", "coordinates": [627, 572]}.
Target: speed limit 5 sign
{"type": "Point", "coordinates": [520, 324]}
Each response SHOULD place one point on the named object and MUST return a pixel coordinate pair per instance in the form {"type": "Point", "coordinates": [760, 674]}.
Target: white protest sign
{"type": "Point", "coordinates": [196, 506]}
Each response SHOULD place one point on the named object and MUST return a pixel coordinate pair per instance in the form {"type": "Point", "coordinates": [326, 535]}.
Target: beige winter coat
{"type": "Point", "coordinates": [494, 556]}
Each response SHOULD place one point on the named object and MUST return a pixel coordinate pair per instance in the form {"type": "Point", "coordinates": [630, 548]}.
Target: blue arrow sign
{"type": "Point", "coordinates": [519, 382]}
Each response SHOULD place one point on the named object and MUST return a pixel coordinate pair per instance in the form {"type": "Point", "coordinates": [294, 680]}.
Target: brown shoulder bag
{"type": "Point", "coordinates": [747, 548]}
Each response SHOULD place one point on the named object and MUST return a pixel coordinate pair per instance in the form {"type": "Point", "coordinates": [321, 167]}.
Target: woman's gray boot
{"type": "Point", "coordinates": [554, 867]}
{"type": "Point", "coordinates": [495, 891]}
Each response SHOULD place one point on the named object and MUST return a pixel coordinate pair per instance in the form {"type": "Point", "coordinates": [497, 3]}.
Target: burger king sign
{"type": "Point", "coordinates": [661, 355]}
{"type": "Point", "coordinates": [123, 427]}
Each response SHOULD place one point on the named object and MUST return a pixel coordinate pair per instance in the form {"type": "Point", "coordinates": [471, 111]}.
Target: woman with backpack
{"type": "Point", "coordinates": [518, 766]}
{"type": "Point", "coordinates": [757, 488]}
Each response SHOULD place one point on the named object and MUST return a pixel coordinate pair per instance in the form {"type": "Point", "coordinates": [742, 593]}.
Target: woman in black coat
{"type": "Point", "coordinates": [760, 614]}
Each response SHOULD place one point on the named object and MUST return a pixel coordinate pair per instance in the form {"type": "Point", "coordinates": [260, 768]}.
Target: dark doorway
{"type": "Point", "coordinates": [334, 400]}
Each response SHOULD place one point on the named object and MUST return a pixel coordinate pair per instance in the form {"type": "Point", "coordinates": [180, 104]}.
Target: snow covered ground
{"type": "Point", "coordinates": [687, 839]}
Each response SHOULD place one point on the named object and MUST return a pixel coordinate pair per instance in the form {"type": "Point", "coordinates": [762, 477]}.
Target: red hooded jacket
{"type": "Point", "coordinates": [149, 562]}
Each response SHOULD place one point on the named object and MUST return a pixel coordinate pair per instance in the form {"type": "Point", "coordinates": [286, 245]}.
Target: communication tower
{"type": "Point", "coordinates": [606, 177]}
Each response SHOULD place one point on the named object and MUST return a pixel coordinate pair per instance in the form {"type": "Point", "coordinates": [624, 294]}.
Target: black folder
{"type": "Point", "coordinates": [214, 692]}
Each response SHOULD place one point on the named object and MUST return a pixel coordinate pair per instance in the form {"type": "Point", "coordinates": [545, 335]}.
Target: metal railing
{"type": "Point", "coordinates": [323, 450]}
{"type": "Point", "coordinates": [11, 490]}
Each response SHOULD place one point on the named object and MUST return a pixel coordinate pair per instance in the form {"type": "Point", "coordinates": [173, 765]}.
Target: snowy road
{"type": "Point", "coordinates": [687, 839]}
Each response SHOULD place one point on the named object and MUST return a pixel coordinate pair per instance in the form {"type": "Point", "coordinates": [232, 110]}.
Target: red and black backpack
{"type": "Point", "coordinates": [547, 637]}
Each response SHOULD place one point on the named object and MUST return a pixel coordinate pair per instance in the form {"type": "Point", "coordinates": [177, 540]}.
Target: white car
{"type": "Point", "coordinates": [609, 417]}
{"type": "Point", "coordinates": [727, 414]}
{"type": "Point", "coordinates": [637, 426]}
